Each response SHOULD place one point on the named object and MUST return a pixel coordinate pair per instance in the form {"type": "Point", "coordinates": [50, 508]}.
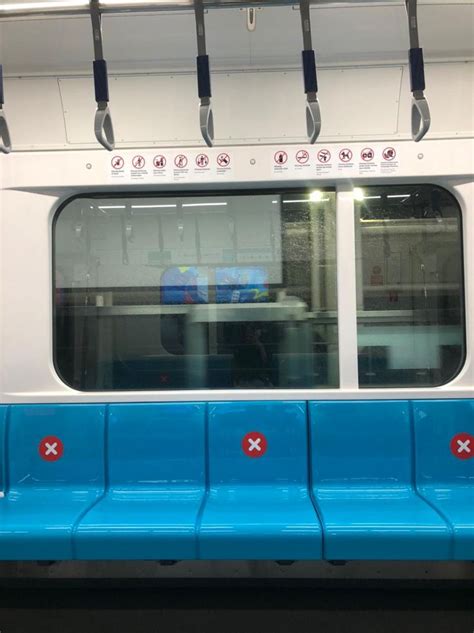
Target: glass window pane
{"type": "Point", "coordinates": [410, 286]}
{"type": "Point", "coordinates": [199, 291]}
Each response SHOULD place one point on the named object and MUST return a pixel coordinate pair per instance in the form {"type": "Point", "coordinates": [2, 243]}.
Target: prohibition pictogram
{"type": "Point", "coordinates": [324, 156]}
{"type": "Point", "coordinates": [138, 162]}
{"type": "Point", "coordinates": [367, 154]}
{"type": "Point", "coordinates": [202, 160]}
{"type": "Point", "coordinates": [51, 448]}
{"type": "Point", "coordinates": [180, 161]}
{"type": "Point", "coordinates": [159, 162]}
{"type": "Point", "coordinates": [223, 160]}
{"type": "Point", "coordinates": [281, 157]}
{"type": "Point", "coordinates": [254, 444]}
{"type": "Point", "coordinates": [302, 156]}
{"type": "Point", "coordinates": [117, 162]}
{"type": "Point", "coordinates": [345, 155]}
{"type": "Point", "coordinates": [462, 446]}
{"type": "Point", "coordinates": [389, 153]}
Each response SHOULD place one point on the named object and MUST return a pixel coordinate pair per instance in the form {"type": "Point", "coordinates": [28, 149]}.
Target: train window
{"type": "Point", "coordinates": [197, 291]}
{"type": "Point", "coordinates": [410, 286]}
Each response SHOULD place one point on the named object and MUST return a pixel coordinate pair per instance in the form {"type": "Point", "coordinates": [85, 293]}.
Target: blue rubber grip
{"type": "Point", "coordinates": [1, 86]}
{"type": "Point", "coordinates": [417, 70]}
{"type": "Point", "coordinates": [309, 72]}
{"type": "Point", "coordinates": [101, 83]}
{"type": "Point", "coordinates": [204, 76]}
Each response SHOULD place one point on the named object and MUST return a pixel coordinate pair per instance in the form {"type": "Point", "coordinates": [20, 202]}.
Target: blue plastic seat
{"type": "Point", "coordinates": [156, 485]}
{"type": "Point", "coordinates": [446, 481]}
{"type": "Point", "coordinates": [362, 484]}
{"type": "Point", "coordinates": [259, 507]}
{"type": "Point", "coordinates": [45, 499]}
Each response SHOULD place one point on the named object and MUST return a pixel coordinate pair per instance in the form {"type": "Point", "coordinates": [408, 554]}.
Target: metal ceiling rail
{"type": "Point", "coordinates": [52, 8]}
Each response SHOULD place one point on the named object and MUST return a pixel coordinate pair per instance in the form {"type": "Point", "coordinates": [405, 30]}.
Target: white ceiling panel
{"type": "Point", "coordinates": [166, 42]}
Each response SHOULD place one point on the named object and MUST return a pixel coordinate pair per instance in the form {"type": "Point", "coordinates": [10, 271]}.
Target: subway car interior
{"type": "Point", "coordinates": [237, 289]}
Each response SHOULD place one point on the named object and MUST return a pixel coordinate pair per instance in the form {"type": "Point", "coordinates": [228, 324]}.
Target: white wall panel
{"type": "Point", "coordinates": [359, 103]}
{"type": "Point", "coordinates": [35, 113]}
{"type": "Point", "coordinates": [450, 94]}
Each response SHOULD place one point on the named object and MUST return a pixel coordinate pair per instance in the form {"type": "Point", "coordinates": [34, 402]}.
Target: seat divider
{"type": "Point", "coordinates": [197, 529]}
{"type": "Point", "coordinates": [104, 489]}
{"type": "Point", "coordinates": [415, 482]}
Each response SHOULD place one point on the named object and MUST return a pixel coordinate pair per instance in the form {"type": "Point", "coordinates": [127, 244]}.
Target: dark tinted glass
{"type": "Point", "coordinates": [410, 286]}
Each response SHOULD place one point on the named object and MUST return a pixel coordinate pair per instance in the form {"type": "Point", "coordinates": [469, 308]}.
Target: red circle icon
{"type": "Point", "coordinates": [159, 162]}
{"type": "Point", "coordinates": [389, 153]}
{"type": "Point", "coordinates": [51, 448]}
{"type": "Point", "coordinates": [302, 156]}
{"type": "Point", "coordinates": [202, 160]}
{"type": "Point", "coordinates": [223, 160]}
{"type": "Point", "coordinates": [345, 155]}
{"type": "Point", "coordinates": [138, 162]}
{"type": "Point", "coordinates": [462, 446]}
{"type": "Point", "coordinates": [180, 161]}
{"type": "Point", "coordinates": [254, 444]}
{"type": "Point", "coordinates": [367, 154]}
{"type": "Point", "coordinates": [280, 157]}
{"type": "Point", "coordinates": [324, 156]}
{"type": "Point", "coordinates": [117, 162]}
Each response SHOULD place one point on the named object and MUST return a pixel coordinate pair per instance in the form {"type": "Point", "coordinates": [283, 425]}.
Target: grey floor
{"type": "Point", "coordinates": [236, 608]}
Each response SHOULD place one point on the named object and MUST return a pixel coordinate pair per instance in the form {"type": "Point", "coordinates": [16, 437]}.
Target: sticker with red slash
{"type": "Point", "coordinates": [138, 162]}
{"type": "Point", "coordinates": [254, 444]}
{"type": "Point", "coordinates": [324, 156]}
{"type": "Point", "coordinates": [389, 153]}
{"type": "Point", "coordinates": [367, 154]}
{"type": "Point", "coordinates": [159, 162]}
{"type": "Point", "coordinates": [117, 162]}
{"type": "Point", "coordinates": [462, 446]}
{"type": "Point", "coordinates": [223, 160]}
{"type": "Point", "coordinates": [345, 155]}
{"type": "Point", "coordinates": [302, 156]}
{"type": "Point", "coordinates": [202, 160]}
{"type": "Point", "coordinates": [280, 158]}
{"type": "Point", "coordinates": [181, 161]}
{"type": "Point", "coordinates": [51, 448]}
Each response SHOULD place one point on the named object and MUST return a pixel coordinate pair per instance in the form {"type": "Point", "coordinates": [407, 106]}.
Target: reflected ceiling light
{"type": "Point", "coordinates": [154, 206]}
{"type": "Point", "coordinates": [40, 6]}
{"type": "Point", "coordinates": [316, 196]}
{"type": "Point", "coordinates": [298, 200]}
{"type": "Point", "coordinates": [120, 206]}
{"type": "Point", "coordinates": [205, 204]}
{"type": "Point", "coordinates": [358, 194]}
{"type": "Point", "coordinates": [400, 195]}
{"type": "Point", "coordinates": [372, 197]}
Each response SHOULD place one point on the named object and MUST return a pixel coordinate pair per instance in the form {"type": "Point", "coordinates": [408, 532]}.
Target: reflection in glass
{"type": "Point", "coordinates": [193, 292]}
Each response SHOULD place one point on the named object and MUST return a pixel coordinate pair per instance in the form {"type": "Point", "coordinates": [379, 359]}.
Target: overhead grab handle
{"type": "Point", "coordinates": [420, 111]}
{"type": "Point", "coordinates": [103, 128]}
{"type": "Point", "coordinates": [313, 113]}
{"type": "Point", "coordinates": [206, 119]}
{"type": "Point", "coordinates": [5, 141]}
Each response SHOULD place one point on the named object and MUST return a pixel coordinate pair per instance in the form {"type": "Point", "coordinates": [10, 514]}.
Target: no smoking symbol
{"type": "Point", "coordinates": [462, 446]}
{"type": "Point", "coordinates": [302, 156]}
{"type": "Point", "coordinates": [51, 448]}
{"type": "Point", "coordinates": [254, 444]}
